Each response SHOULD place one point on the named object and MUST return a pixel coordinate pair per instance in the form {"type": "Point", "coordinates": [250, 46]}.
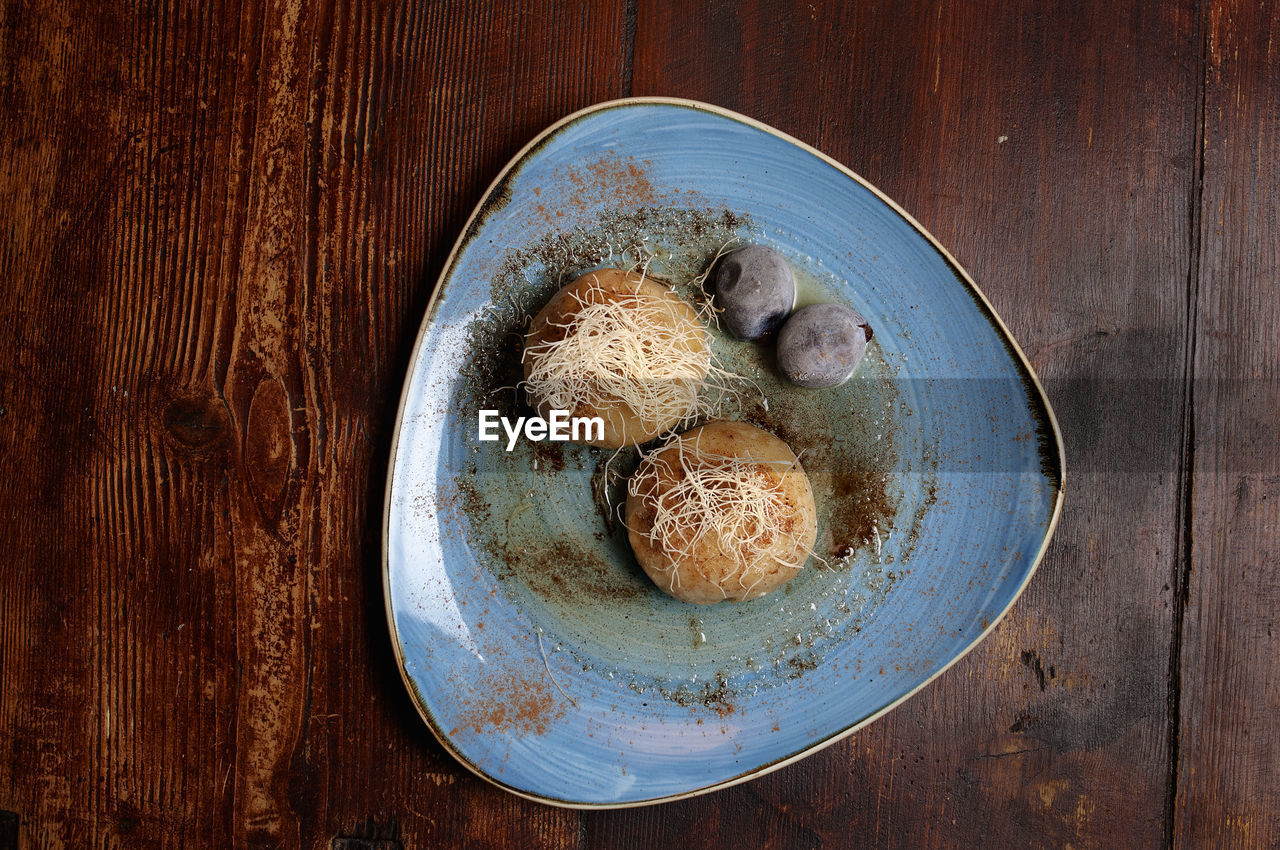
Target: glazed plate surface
{"type": "Point", "coordinates": [533, 646]}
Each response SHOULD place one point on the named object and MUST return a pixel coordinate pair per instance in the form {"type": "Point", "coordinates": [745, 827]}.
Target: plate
{"type": "Point", "coordinates": [532, 645]}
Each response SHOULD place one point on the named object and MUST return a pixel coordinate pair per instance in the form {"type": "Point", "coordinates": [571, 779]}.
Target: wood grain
{"type": "Point", "coordinates": [225, 222]}
{"type": "Point", "coordinates": [221, 223]}
{"type": "Point", "coordinates": [1229, 746]}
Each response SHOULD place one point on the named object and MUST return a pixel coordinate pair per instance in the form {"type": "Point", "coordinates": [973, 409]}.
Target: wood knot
{"type": "Point", "coordinates": [198, 424]}
{"type": "Point", "coordinates": [128, 818]}
{"type": "Point", "coordinates": [268, 448]}
{"type": "Point", "coordinates": [9, 824]}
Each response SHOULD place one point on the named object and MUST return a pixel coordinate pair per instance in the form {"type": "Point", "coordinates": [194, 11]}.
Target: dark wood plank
{"type": "Point", "coordinates": [1228, 780]}
{"type": "Point", "coordinates": [1052, 148]}
{"type": "Point", "coordinates": [222, 224]}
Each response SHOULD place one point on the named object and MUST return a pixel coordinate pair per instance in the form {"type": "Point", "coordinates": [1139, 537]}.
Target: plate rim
{"type": "Point", "coordinates": [464, 238]}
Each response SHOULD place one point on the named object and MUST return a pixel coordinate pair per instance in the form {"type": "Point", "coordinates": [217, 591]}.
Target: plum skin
{"type": "Point", "coordinates": [821, 345]}
{"type": "Point", "coordinates": [755, 290]}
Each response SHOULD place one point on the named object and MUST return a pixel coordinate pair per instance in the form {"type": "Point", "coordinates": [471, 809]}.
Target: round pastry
{"type": "Point", "coordinates": [620, 346]}
{"type": "Point", "coordinates": [722, 512]}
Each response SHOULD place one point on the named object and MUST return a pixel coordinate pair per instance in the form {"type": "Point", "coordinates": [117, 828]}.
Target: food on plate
{"type": "Point", "coordinates": [754, 291]}
{"type": "Point", "coordinates": [821, 345]}
{"type": "Point", "coordinates": [623, 347]}
{"type": "Point", "coordinates": [722, 512]}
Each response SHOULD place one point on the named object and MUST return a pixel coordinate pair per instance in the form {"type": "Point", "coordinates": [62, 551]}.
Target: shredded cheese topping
{"type": "Point", "coordinates": [633, 348]}
{"type": "Point", "coordinates": [737, 504]}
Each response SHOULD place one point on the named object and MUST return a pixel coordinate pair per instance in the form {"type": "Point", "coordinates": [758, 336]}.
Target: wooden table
{"type": "Point", "coordinates": [219, 227]}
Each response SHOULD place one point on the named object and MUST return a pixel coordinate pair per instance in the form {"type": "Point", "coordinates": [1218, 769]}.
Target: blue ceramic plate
{"type": "Point", "coordinates": [532, 644]}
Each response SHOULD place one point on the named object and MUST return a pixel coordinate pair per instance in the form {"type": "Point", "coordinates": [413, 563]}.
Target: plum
{"type": "Point", "coordinates": [754, 291]}
{"type": "Point", "coordinates": [822, 344]}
